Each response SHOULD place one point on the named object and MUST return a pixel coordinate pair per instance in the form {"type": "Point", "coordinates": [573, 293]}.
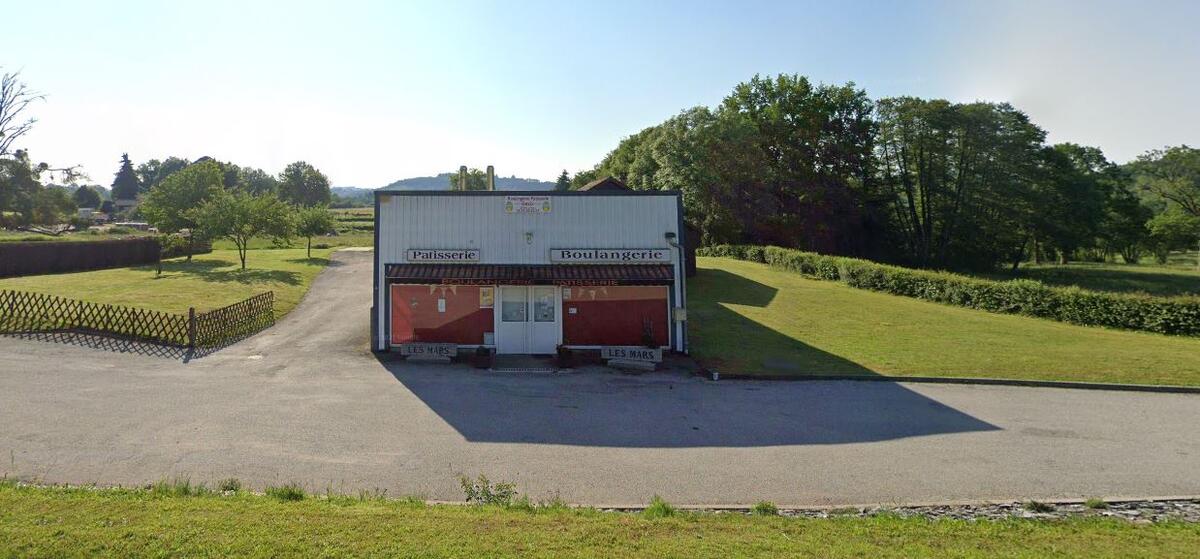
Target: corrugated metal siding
{"type": "Point", "coordinates": [414, 221]}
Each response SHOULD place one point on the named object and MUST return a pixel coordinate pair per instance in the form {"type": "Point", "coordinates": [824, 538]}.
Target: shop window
{"type": "Point", "coordinates": [543, 305]}
{"type": "Point", "coordinates": [514, 304]}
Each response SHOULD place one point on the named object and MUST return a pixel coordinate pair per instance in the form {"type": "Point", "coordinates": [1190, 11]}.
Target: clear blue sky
{"type": "Point", "coordinates": [370, 92]}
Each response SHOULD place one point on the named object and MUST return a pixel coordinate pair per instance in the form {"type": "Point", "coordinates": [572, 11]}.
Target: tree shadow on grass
{"type": "Point", "coordinates": [1163, 284]}
{"type": "Point", "coordinates": [315, 261]}
{"type": "Point", "coordinates": [223, 271]}
{"type": "Point", "coordinates": [731, 343]}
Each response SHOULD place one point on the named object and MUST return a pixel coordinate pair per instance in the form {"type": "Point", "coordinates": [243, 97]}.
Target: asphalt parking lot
{"type": "Point", "coordinates": [307, 402]}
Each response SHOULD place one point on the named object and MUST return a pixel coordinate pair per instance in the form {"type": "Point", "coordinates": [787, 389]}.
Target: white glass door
{"type": "Point", "coordinates": [528, 319]}
{"type": "Point", "coordinates": [512, 327]}
{"type": "Point", "coordinates": [545, 327]}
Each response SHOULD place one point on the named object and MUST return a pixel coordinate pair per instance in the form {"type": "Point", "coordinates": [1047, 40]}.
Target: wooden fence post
{"type": "Point", "coordinates": [191, 328]}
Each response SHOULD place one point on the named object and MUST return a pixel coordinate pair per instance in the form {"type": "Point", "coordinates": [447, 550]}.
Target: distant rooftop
{"type": "Point", "coordinates": [605, 183]}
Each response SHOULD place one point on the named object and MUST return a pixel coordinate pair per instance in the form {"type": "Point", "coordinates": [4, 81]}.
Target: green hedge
{"type": "Point", "coordinates": [1177, 315]}
{"type": "Point", "coordinates": [174, 246]}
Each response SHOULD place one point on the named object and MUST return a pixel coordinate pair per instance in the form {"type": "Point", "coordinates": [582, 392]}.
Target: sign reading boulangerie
{"type": "Point", "coordinates": [611, 255]}
{"type": "Point", "coordinates": [443, 255]}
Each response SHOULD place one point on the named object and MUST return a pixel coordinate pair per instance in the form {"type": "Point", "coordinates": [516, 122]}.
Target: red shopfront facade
{"type": "Point", "coordinates": [530, 309]}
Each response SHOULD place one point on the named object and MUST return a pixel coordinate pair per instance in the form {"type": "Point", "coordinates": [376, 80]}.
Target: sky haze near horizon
{"type": "Point", "coordinates": [372, 92]}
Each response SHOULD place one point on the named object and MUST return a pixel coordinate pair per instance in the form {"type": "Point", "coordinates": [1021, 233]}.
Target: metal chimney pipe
{"type": "Point", "coordinates": [491, 172]}
{"type": "Point", "coordinates": [462, 177]}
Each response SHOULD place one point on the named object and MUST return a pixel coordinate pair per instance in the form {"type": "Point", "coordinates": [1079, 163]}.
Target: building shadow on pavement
{"type": "Point", "coordinates": [672, 411]}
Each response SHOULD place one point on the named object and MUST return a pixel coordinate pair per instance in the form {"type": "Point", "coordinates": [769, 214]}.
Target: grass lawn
{"type": "Point", "coordinates": [746, 317]}
{"type": "Point", "coordinates": [209, 281]}
{"type": "Point", "coordinates": [52, 522]}
{"type": "Point", "coordinates": [1178, 277]}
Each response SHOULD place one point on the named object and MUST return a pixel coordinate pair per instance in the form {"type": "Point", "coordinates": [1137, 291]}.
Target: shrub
{"type": "Point", "coordinates": [1095, 503]}
{"type": "Point", "coordinates": [174, 246]}
{"type": "Point", "coordinates": [483, 492]}
{"type": "Point", "coordinates": [658, 508]}
{"type": "Point", "coordinates": [1176, 315]}
{"type": "Point", "coordinates": [289, 492]}
{"type": "Point", "coordinates": [765, 508]}
{"type": "Point", "coordinates": [230, 484]}
{"type": "Point", "coordinates": [1037, 506]}
{"type": "Point", "coordinates": [178, 487]}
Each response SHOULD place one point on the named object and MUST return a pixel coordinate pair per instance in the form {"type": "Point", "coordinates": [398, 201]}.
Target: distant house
{"type": "Point", "coordinates": [124, 205]}
{"type": "Point", "coordinates": [604, 183]}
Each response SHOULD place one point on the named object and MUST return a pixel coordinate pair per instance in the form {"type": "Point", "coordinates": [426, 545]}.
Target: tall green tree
{"type": "Point", "coordinates": [964, 180]}
{"type": "Point", "coordinates": [241, 217]}
{"type": "Point", "coordinates": [256, 181]}
{"type": "Point", "coordinates": [303, 185]}
{"type": "Point", "coordinates": [1172, 174]}
{"type": "Point", "coordinates": [168, 206]}
{"type": "Point", "coordinates": [1171, 230]}
{"type": "Point", "coordinates": [153, 172]}
{"type": "Point", "coordinates": [564, 181]}
{"type": "Point", "coordinates": [313, 221]}
{"type": "Point", "coordinates": [476, 180]}
{"type": "Point", "coordinates": [781, 161]}
{"type": "Point", "coordinates": [125, 185]}
{"type": "Point", "coordinates": [52, 206]}
{"type": "Point", "coordinates": [19, 186]}
{"type": "Point", "coordinates": [86, 197]}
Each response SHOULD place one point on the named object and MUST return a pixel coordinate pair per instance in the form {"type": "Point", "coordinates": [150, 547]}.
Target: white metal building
{"type": "Point", "coordinates": [526, 272]}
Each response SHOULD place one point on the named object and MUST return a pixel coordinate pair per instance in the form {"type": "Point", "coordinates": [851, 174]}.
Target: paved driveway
{"type": "Point", "coordinates": [305, 401]}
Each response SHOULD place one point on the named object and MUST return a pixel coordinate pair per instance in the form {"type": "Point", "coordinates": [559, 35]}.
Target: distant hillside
{"type": "Point", "coordinates": [442, 182]}
{"type": "Point", "coordinates": [352, 191]}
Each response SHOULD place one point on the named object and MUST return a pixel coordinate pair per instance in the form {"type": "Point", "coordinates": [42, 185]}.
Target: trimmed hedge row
{"type": "Point", "coordinates": [56, 257]}
{"type": "Point", "coordinates": [1176, 315]}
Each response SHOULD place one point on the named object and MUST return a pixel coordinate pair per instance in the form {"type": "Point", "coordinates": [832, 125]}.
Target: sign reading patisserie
{"type": "Point", "coordinates": [611, 255]}
{"type": "Point", "coordinates": [443, 255]}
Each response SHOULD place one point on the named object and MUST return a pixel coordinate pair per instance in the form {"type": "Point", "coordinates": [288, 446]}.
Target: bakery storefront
{"type": "Point", "coordinates": [527, 272]}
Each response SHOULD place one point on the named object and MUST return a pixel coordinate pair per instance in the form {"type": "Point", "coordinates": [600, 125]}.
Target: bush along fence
{"type": "Point", "coordinates": [55, 257]}
{"type": "Point", "coordinates": [23, 313]}
{"type": "Point", "coordinates": [1175, 315]}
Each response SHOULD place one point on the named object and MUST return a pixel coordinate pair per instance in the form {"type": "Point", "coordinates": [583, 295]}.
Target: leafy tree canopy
{"type": "Point", "coordinates": [168, 206]}
{"type": "Point", "coordinates": [86, 197]}
{"type": "Point", "coordinates": [476, 180]}
{"type": "Point", "coordinates": [1172, 174]}
{"type": "Point", "coordinates": [240, 217]}
{"type": "Point", "coordinates": [152, 172]}
{"type": "Point", "coordinates": [303, 185]}
{"type": "Point", "coordinates": [313, 221]}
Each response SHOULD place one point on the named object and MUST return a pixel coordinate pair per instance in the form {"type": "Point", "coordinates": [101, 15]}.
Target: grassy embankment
{"type": "Point", "coordinates": [208, 282]}
{"type": "Point", "coordinates": [749, 318]}
{"type": "Point", "coordinates": [55, 522]}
